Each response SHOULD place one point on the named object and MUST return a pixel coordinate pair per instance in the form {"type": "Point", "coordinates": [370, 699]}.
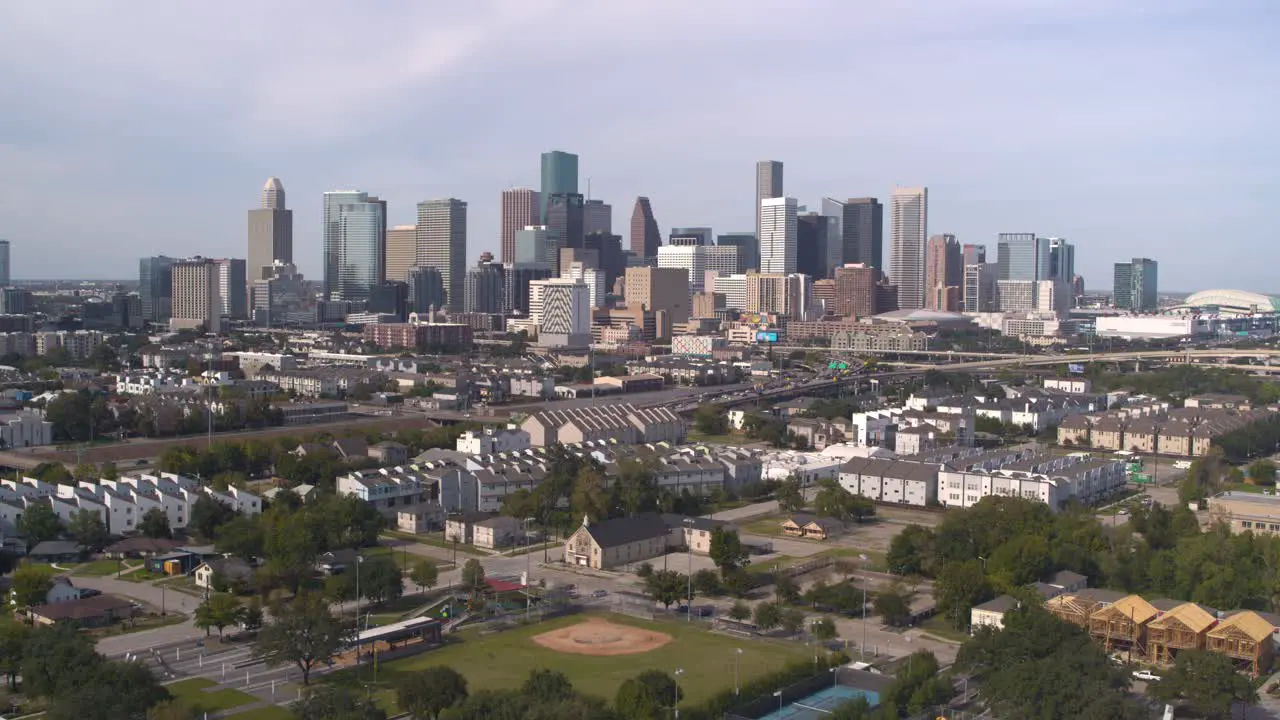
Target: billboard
{"type": "Point", "coordinates": [838, 366]}
{"type": "Point", "coordinates": [767, 336]}
{"type": "Point", "coordinates": [1075, 369]}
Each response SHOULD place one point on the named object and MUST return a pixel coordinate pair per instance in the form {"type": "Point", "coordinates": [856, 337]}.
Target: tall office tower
{"type": "Point", "coordinates": [518, 276]}
{"type": "Point", "coordinates": [723, 259]}
{"type": "Point", "coordinates": [597, 217]}
{"type": "Point", "coordinates": [856, 290]}
{"type": "Point", "coordinates": [563, 312]}
{"type": "Point", "coordinates": [608, 248]}
{"type": "Point", "coordinates": [779, 294]}
{"type": "Point", "coordinates": [402, 252]}
{"type": "Point", "coordinates": [588, 275]}
{"type": "Point", "coordinates": [486, 284]}
{"type": "Point", "coordinates": [559, 176]}
{"type": "Point", "coordinates": [1016, 295]}
{"type": "Point", "coordinates": [390, 298]}
{"type": "Point", "coordinates": [5, 275]}
{"type": "Point", "coordinates": [270, 232]}
{"type": "Point", "coordinates": [646, 238]}
{"type": "Point", "coordinates": [589, 258]}
{"type": "Point", "coordinates": [233, 292]}
{"type": "Point", "coordinates": [1135, 285]}
{"type": "Point", "coordinates": [818, 244]}
{"type": "Point", "coordinates": [1023, 256]}
{"type": "Point", "coordinates": [909, 209]}
{"type": "Point", "coordinates": [155, 287]}
{"type": "Point", "coordinates": [700, 235]}
{"type": "Point", "coordinates": [824, 296]}
{"type": "Point", "coordinates": [1077, 290]}
{"type": "Point", "coordinates": [1053, 296]}
{"type": "Point", "coordinates": [862, 227]}
{"type": "Point", "coordinates": [733, 288]}
{"type": "Point", "coordinates": [748, 248]}
{"type": "Point", "coordinates": [426, 289]}
{"type": "Point", "coordinates": [565, 219]}
{"type": "Point", "coordinates": [980, 287]}
{"type": "Point", "coordinates": [974, 254]}
{"type": "Point", "coordinates": [282, 297]}
{"type": "Point", "coordinates": [944, 273]}
{"type": "Point", "coordinates": [834, 209]}
{"type": "Point", "coordinates": [520, 208]}
{"type": "Point", "coordinates": [354, 244]}
{"type": "Point", "coordinates": [778, 235]}
{"type": "Point", "coordinates": [196, 300]}
{"type": "Point", "coordinates": [665, 289]}
{"type": "Point", "coordinates": [686, 258]}
{"type": "Point", "coordinates": [1062, 260]}
{"type": "Point", "coordinates": [442, 244]}
{"type": "Point", "coordinates": [768, 186]}
{"type": "Point", "coordinates": [536, 244]}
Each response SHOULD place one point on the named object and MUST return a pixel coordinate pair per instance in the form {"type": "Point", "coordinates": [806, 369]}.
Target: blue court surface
{"type": "Point", "coordinates": [821, 704]}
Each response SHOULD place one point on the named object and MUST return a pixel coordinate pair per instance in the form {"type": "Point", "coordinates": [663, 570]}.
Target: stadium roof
{"type": "Point", "coordinates": [1233, 302]}
{"type": "Point", "coordinates": [922, 316]}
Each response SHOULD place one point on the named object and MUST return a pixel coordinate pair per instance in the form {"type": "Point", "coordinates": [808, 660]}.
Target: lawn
{"type": "Point", "coordinates": [941, 628]}
{"type": "Point", "coordinates": [192, 694]}
{"type": "Point", "coordinates": [102, 568]}
{"type": "Point", "coordinates": [463, 548]}
{"type": "Point", "coordinates": [503, 660]}
{"type": "Point", "coordinates": [270, 712]}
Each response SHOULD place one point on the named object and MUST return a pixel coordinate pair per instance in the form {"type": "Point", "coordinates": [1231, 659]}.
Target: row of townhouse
{"type": "Point", "coordinates": [1184, 432]}
{"type": "Point", "coordinates": [962, 477]}
{"type": "Point", "coordinates": [620, 422]}
{"type": "Point", "coordinates": [120, 503]}
{"type": "Point", "coordinates": [1032, 407]}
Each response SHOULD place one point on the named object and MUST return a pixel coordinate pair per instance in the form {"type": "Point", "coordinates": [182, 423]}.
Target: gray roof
{"type": "Point", "coordinates": [1002, 604]}
{"type": "Point", "coordinates": [624, 531]}
{"type": "Point", "coordinates": [57, 547]}
{"type": "Point", "coordinates": [1063, 578]}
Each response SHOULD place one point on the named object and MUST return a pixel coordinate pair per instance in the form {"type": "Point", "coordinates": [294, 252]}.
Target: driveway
{"type": "Point", "coordinates": [154, 595]}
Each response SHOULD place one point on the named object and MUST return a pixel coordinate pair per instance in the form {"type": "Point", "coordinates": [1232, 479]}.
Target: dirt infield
{"type": "Point", "coordinates": [597, 636]}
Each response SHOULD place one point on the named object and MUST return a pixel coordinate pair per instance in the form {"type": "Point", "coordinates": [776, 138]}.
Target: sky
{"type": "Point", "coordinates": [1137, 128]}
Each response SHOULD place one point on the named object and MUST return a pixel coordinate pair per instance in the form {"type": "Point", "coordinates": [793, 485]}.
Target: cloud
{"type": "Point", "coordinates": [131, 128]}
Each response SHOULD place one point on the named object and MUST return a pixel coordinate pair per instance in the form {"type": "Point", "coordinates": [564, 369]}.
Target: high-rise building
{"type": "Point", "coordinates": [15, 301]}
{"type": "Point", "coordinates": [608, 248]}
{"type": "Point", "coordinates": [518, 276]}
{"type": "Point", "coordinates": [776, 293]}
{"type": "Point", "coordinates": [778, 227]}
{"type": "Point", "coordinates": [588, 275]}
{"type": "Point", "coordinates": [5, 276]}
{"type": "Point", "coordinates": [563, 310]}
{"type": "Point", "coordinates": [282, 297]}
{"type": "Point", "coordinates": [442, 244]}
{"type": "Point", "coordinates": [909, 209]}
{"type": "Point", "coordinates": [1135, 285]}
{"type": "Point", "coordinates": [974, 254]}
{"type": "Point", "coordinates": [354, 245]}
{"type": "Point", "coordinates": [155, 288]}
{"type": "Point", "coordinates": [390, 298]}
{"type": "Point", "coordinates": [980, 287]}
{"type": "Point", "coordinates": [559, 177]}
{"type": "Point", "coordinates": [862, 227]}
{"type": "Point", "coordinates": [402, 252]}
{"type": "Point", "coordinates": [768, 186]}
{"type": "Point", "coordinates": [520, 208]}
{"type": "Point", "coordinates": [270, 232]}
{"type": "Point", "coordinates": [1062, 260]}
{"type": "Point", "coordinates": [597, 217]}
{"type": "Point", "coordinates": [748, 248]}
{"type": "Point", "coordinates": [818, 244]}
{"type": "Point", "coordinates": [485, 288]}
{"type": "Point", "coordinates": [197, 302]}
{"type": "Point", "coordinates": [426, 289]}
{"type": "Point", "coordinates": [1023, 256]}
{"type": "Point", "coordinates": [734, 290]}
{"type": "Point", "coordinates": [944, 273]}
{"type": "Point", "coordinates": [699, 235]}
{"type": "Point", "coordinates": [536, 244]}
{"type": "Point", "coordinates": [1053, 296]}
{"type": "Point", "coordinates": [834, 209]}
{"type": "Point", "coordinates": [233, 293]}
{"type": "Point", "coordinates": [692, 259]}
{"type": "Point", "coordinates": [1016, 295]}
{"type": "Point", "coordinates": [659, 289]}
{"type": "Point", "coordinates": [856, 290]}
{"type": "Point", "coordinates": [646, 238]}
{"type": "Point", "coordinates": [565, 219]}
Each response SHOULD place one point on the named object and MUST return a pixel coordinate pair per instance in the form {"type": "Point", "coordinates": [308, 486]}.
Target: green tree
{"type": "Point", "coordinates": [39, 523]}
{"type": "Point", "coordinates": [768, 615]}
{"type": "Point", "coordinates": [217, 611]}
{"type": "Point", "coordinates": [785, 589]}
{"type": "Point", "coordinates": [911, 551]}
{"type": "Point", "coordinates": [727, 551]}
{"type": "Point", "coordinates": [56, 658]}
{"type": "Point", "coordinates": [88, 529]}
{"type": "Point", "coordinates": [665, 586]}
{"type": "Point", "coordinates": [13, 639]}
{"type": "Point", "coordinates": [31, 585]}
{"type": "Point", "coordinates": [710, 420]}
{"type": "Point", "coordinates": [109, 471]}
{"type": "Point", "coordinates": [893, 605]}
{"type": "Point", "coordinates": [790, 498]}
{"type": "Point", "coordinates": [824, 629]}
{"type": "Point", "coordinates": [647, 696]}
{"type": "Point", "coordinates": [547, 686]}
{"type": "Point", "coordinates": [334, 702]}
{"type": "Point", "coordinates": [740, 611]}
{"type": "Point", "coordinates": [155, 524]}
{"type": "Point", "coordinates": [381, 580]}
{"type": "Point", "coordinates": [960, 586]}
{"type": "Point", "coordinates": [835, 502]}
{"type": "Point", "coordinates": [1206, 681]}
{"type": "Point", "coordinates": [473, 575]}
{"type": "Point", "coordinates": [706, 582]}
{"type": "Point", "coordinates": [303, 632]}
{"type": "Point", "coordinates": [1262, 472]}
{"type": "Point", "coordinates": [737, 582]}
{"type": "Point", "coordinates": [792, 621]}
{"type": "Point", "coordinates": [252, 616]}
{"type": "Point", "coordinates": [110, 690]}
{"type": "Point", "coordinates": [207, 515]}
{"type": "Point", "coordinates": [425, 574]}
{"type": "Point", "coordinates": [590, 497]}
{"type": "Point", "coordinates": [426, 693]}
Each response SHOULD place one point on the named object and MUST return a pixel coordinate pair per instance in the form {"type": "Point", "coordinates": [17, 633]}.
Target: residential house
{"type": "Point", "coordinates": [90, 612]}
{"type": "Point", "coordinates": [420, 519]}
{"type": "Point", "coordinates": [1074, 430]}
{"type": "Point", "coordinates": [498, 531]}
{"type": "Point", "coordinates": [991, 613]}
{"type": "Point", "coordinates": [350, 448]}
{"type": "Point", "coordinates": [140, 547]}
{"type": "Point", "coordinates": [215, 572]}
{"type": "Point", "coordinates": [389, 453]}
{"type": "Point", "coordinates": [1185, 627]}
{"type": "Point", "coordinates": [1247, 638]}
{"type": "Point", "coordinates": [1123, 624]}
{"type": "Point", "coordinates": [336, 562]}
{"type": "Point", "coordinates": [461, 527]}
{"type": "Point", "coordinates": [1077, 607]}
{"type": "Point", "coordinates": [811, 527]}
{"type": "Point", "coordinates": [57, 551]}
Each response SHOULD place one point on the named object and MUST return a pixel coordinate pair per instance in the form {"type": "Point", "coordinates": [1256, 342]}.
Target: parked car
{"type": "Point", "coordinates": [600, 593]}
{"type": "Point", "coordinates": [1146, 675]}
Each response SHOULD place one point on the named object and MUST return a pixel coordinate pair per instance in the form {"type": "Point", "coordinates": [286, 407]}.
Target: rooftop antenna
{"type": "Point", "coordinates": [588, 188]}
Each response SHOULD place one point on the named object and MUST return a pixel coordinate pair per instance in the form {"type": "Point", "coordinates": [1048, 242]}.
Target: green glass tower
{"type": "Point", "coordinates": [559, 177]}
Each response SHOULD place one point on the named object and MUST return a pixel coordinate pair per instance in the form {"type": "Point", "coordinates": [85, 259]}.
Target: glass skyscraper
{"type": "Point", "coordinates": [559, 176]}
{"type": "Point", "coordinates": [1023, 256]}
{"type": "Point", "coordinates": [354, 245]}
{"type": "Point", "coordinates": [155, 287]}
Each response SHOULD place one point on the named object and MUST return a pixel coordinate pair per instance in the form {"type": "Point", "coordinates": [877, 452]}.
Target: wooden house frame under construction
{"type": "Point", "coordinates": [1077, 607]}
{"type": "Point", "coordinates": [1123, 625]}
{"type": "Point", "coordinates": [1245, 637]}
{"type": "Point", "coordinates": [1185, 627]}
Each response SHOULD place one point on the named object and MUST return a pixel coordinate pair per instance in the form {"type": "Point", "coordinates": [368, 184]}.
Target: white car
{"type": "Point", "coordinates": [1146, 675]}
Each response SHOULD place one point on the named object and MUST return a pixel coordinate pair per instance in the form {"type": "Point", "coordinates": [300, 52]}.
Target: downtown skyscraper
{"type": "Point", "coordinates": [355, 227]}
{"type": "Point", "coordinates": [270, 233]}
{"type": "Point", "coordinates": [520, 209]}
{"type": "Point", "coordinates": [944, 273]}
{"type": "Point", "coordinates": [646, 238]}
{"type": "Point", "coordinates": [862, 231]}
{"type": "Point", "coordinates": [909, 213]}
{"type": "Point", "coordinates": [779, 234]}
{"type": "Point", "coordinates": [768, 186]}
{"type": "Point", "coordinates": [559, 177]}
{"type": "Point", "coordinates": [442, 244]}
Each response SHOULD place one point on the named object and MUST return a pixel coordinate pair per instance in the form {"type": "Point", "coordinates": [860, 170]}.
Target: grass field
{"type": "Point", "coordinates": [102, 568]}
{"type": "Point", "coordinates": [270, 712]}
{"type": "Point", "coordinates": [192, 694]}
{"type": "Point", "coordinates": [503, 660]}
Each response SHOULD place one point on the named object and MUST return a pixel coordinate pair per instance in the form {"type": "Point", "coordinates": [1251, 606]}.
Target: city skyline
{"type": "Point", "coordinates": [1099, 153]}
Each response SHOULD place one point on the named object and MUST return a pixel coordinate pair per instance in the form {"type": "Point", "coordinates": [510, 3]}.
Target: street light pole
{"type": "Point", "coordinates": [737, 664]}
{"type": "Point", "coordinates": [359, 560]}
{"type": "Point", "coordinates": [675, 695]}
{"type": "Point", "coordinates": [862, 649]}
{"type": "Point", "coordinates": [688, 548]}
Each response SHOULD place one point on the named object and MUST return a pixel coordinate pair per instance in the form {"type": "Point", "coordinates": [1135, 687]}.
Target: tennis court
{"type": "Point", "coordinates": [822, 703]}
